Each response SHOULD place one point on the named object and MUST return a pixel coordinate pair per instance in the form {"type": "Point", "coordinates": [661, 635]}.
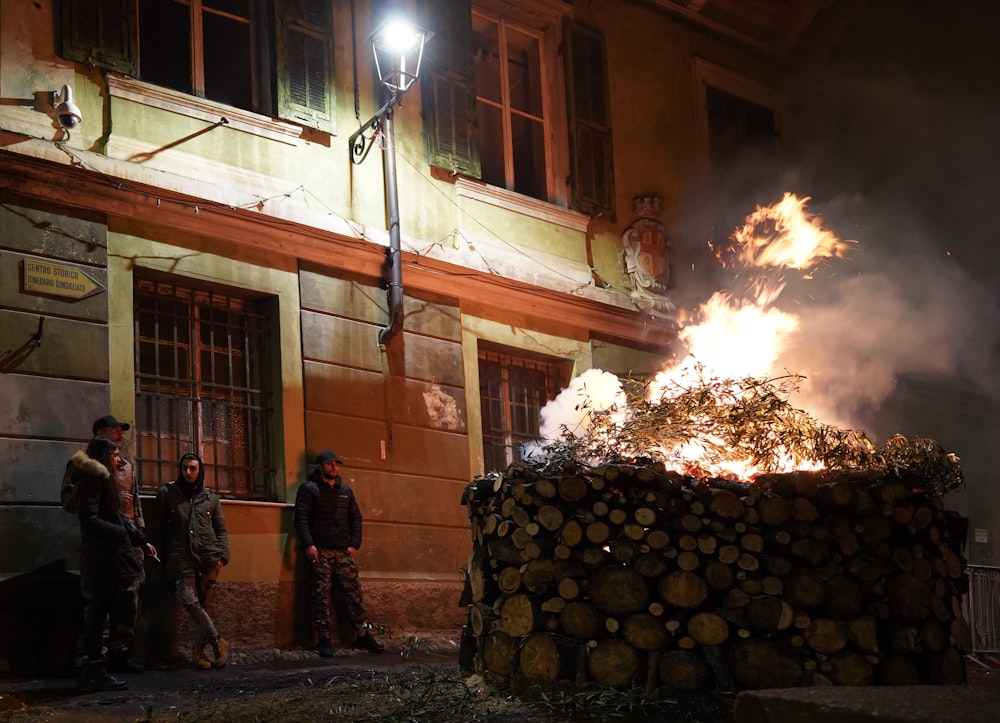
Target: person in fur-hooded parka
{"type": "Point", "coordinates": [108, 562]}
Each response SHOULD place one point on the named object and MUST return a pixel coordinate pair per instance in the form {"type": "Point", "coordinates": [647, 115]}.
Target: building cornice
{"type": "Point", "coordinates": [140, 208]}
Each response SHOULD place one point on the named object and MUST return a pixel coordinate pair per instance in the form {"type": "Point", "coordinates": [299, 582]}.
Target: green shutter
{"type": "Point", "coordinates": [591, 159]}
{"type": "Point", "coordinates": [447, 87]}
{"type": "Point", "coordinates": [304, 49]}
{"type": "Point", "coordinates": [101, 33]}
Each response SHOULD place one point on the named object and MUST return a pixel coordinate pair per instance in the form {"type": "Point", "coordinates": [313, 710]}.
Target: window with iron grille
{"type": "Point", "coordinates": [512, 391]}
{"type": "Point", "coordinates": [202, 386]}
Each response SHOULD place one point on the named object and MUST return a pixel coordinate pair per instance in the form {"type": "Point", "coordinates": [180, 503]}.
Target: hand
{"type": "Point", "coordinates": [219, 564]}
{"type": "Point", "coordinates": [351, 550]}
{"type": "Point", "coordinates": [312, 553]}
{"type": "Point", "coordinates": [152, 551]}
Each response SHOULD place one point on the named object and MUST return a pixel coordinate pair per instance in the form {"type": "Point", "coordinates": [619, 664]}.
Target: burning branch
{"type": "Point", "coordinates": [738, 429]}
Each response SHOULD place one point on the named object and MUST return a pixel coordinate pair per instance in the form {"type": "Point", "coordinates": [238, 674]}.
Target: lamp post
{"type": "Point", "coordinates": [398, 48]}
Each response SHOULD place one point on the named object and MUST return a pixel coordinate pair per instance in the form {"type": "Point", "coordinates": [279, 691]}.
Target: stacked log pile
{"type": "Point", "coordinates": [635, 575]}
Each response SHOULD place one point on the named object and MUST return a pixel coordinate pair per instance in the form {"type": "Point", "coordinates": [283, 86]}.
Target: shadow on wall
{"type": "Point", "coordinates": [41, 616]}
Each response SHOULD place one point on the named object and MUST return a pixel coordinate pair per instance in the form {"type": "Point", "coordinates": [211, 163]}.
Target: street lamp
{"type": "Point", "coordinates": [398, 47]}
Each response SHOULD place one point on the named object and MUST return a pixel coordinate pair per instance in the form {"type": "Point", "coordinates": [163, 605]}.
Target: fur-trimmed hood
{"type": "Point", "coordinates": [89, 466]}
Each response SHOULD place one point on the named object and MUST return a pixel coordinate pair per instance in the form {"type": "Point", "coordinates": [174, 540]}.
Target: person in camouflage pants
{"type": "Point", "coordinates": [328, 524]}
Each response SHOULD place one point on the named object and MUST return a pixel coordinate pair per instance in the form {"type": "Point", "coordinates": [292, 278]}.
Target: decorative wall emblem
{"type": "Point", "coordinates": [645, 256]}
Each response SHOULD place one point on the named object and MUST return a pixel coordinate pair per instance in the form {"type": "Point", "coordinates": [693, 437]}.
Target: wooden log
{"type": "Point", "coordinates": [539, 658]}
{"type": "Point", "coordinates": [773, 511]}
{"type": "Point", "coordinates": [539, 575]}
{"type": "Point", "coordinates": [509, 579]}
{"type": "Point", "coordinates": [862, 633]}
{"type": "Point", "coordinates": [768, 614]}
{"type": "Point", "coordinates": [580, 620]}
{"type": "Point", "coordinates": [650, 565]}
{"type": "Point", "coordinates": [571, 534]}
{"type": "Point", "coordinates": [645, 632]}
{"type": "Point", "coordinates": [550, 517]}
{"type": "Point", "coordinates": [519, 615]}
{"type": "Point", "coordinates": [718, 575]}
{"type": "Point", "coordinates": [618, 590]}
{"type": "Point", "coordinates": [572, 488]}
{"type": "Point", "coordinates": [708, 628]}
{"type": "Point", "coordinates": [613, 663]}
{"type": "Point", "coordinates": [844, 597]}
{"type": "Point", "coordinates": [909, 597]}
{"type": "Point", "coordinates": [826, 636]}
{"type": "Point", "coordinates": [805, 591]}
{"type": "Point", "coordinates": [499, 653]}
{"type": "Point", "coordinates": [759, 664]}
{"type": "Point", "coordinates": [683, 589]}
{"type": "Point", "coordinates": [568, 588]}
{"type": "Point", "coordinates": [684, 671]}
{"type": "Point", "coordinates": [850, 669]}
{"type": "Point", "coordinates": [482, 619]}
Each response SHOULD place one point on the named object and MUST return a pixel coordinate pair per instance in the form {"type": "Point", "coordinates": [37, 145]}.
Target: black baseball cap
{"type": "Point", "coordinates": [109, 421]}
{"type": "Point", "coordinates": [327, 456]}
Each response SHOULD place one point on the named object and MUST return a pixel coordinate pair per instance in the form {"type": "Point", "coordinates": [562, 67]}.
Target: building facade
{"type": "Point", "coordinates": [199, 256]}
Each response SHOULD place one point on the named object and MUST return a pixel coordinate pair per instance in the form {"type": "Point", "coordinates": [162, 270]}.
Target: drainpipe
{"type": "Point", "coordinates": [395, 290]}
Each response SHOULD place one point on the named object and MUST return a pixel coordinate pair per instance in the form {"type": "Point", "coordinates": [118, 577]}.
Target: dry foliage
{"type": "Point", "coordinates": [709, 422]}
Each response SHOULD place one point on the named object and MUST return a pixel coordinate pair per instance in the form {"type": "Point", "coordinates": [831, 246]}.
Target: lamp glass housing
{"type": "Point", "coordinates": [398, 47]}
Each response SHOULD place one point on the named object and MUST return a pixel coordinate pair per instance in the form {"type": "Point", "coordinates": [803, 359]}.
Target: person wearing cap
{"type": "Point", "coordinates": [195, 544]}
{"type": "Point", "coordinates": [328, 524]}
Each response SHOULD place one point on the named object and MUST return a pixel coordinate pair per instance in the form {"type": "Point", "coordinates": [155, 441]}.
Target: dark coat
{"type": "Point", "coordinates": [193, 530]}
{"type": "Point", "coordinates": [107, 539]}
{"type": "Point", "coordinates": [327, 516]}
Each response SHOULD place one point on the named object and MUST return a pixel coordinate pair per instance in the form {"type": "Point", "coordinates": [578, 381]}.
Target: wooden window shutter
{"type": "Point", "coordinates": [591, 159]}
{"type": "Point", "coordinates": [101, 33]}
{"type": "Point", "coordinates": [448, 89]}
{"type": "Point", "coordinates": [304, 48]}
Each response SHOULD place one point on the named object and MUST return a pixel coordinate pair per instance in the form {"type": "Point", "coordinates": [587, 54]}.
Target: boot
{"type": "Point", "coordinates": [198, 657]}
{"type": "Point", "coordinates": [325, 649]}
{"type": "Point", "coordinates": [119, 662]}
{"type": "Point", "coordinates": [96, 677]}
{"type": "Point", "coordinates": [221, 648]}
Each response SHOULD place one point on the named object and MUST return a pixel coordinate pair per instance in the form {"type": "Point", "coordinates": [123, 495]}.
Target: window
{"type": "Point", "coordinates": [509, 107]}
{"type": "Point", "coordinates": [512, 392]}
{"type": "Point", "coordinates": [495, 108]}
{"type": "Point", "coordinates": [202, 47]}
{"type": "Point", "coordinates": [739, 119]}
{"type": "Point", "coordinates": [737, 126]}
{"type": "Point", "coordinates": [202, 385]}
{"type": "Point", "coordinates": [230, 51]}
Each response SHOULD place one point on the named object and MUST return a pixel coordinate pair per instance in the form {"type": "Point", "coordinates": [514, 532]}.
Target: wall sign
{"type": "Point", "coordinates": [49, 279]}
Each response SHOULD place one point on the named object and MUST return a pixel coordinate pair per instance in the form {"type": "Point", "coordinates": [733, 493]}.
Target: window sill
{"type": "Point", "coordinates": [524, 205]}
{"type": "Point", "coordinates": [209, 111]}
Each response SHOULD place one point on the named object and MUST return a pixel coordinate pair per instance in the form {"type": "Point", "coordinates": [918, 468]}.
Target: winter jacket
{"type": "Point", "coordinates": [192, 530]}
{"type": "Point", "coordinates": [107, 539]}
{"type": "Point", "coordinates": [327, 516]}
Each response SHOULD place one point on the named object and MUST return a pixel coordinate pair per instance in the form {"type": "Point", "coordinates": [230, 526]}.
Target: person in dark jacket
{"type": "Point", "coordinates": [107, 558]}
{"type": "Point", "coordinates": [196, 545]}
{"type": "Point", "coordinates": [328, 524]}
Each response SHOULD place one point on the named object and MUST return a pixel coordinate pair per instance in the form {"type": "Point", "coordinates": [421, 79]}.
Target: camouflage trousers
{"type": "Point", "coordinates": [336, 571]}
{"type": "Point", "coordinates": [192, 594]}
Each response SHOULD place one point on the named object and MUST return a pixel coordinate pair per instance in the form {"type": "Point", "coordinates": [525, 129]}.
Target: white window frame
{"type": "Point", "coordinates": [542, 21]}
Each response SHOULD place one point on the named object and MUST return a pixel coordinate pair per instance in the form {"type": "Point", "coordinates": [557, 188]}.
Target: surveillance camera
{"type": "Point", "coordinates": [67, 113]}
